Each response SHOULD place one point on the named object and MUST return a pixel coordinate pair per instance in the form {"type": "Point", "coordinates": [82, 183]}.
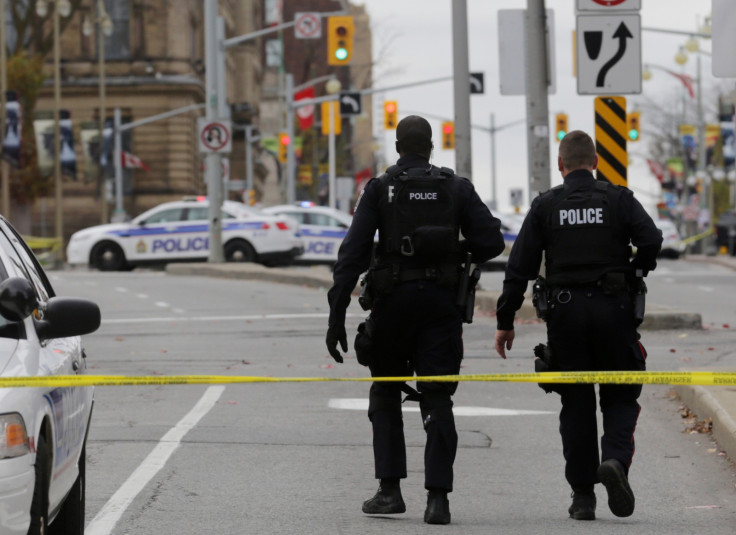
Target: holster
{"type": "Point", "coordinates": [544, 362]}
{"type": "Point", "coordinates": [365, 342]}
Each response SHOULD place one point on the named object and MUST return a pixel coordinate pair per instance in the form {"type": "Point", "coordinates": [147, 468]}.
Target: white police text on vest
{"type": "Point", "coordinates": [581, 216]}
{"type": "Point", "coordinates": [423, 196]}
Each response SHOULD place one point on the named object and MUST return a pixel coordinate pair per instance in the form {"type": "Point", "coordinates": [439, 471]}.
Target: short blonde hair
{"type": "Point", "coordinates": [577, 150]}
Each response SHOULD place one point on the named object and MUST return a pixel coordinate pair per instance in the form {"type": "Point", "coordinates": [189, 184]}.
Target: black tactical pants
{"type": "Point", "coordinates": [418, 329]}
{"type": "Point", "coordinates": [587, 331]}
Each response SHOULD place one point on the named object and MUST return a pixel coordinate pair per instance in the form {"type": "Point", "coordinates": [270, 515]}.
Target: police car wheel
{"type": "Point", "coordinates": [40, 504]}
{"type": "Point", "coordinates": [108, 256]}
{"type": "Point", "coordinates": [239, 251]}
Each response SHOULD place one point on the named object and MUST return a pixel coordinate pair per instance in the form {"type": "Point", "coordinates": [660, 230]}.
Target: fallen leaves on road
{"type": "Point", "coordinates": [693, 425]}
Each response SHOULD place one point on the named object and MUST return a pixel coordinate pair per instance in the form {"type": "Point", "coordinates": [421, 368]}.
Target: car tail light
{"type": "Point", "coordinates": [265, 226]}
{"type": "Point", "coordinates": [282, 225]}
{"type": "Point", "coordinates": [13, 440]}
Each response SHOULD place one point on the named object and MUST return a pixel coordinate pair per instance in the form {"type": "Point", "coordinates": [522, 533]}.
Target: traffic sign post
{"type": "Point", "coordinates": [608, 6]}
{"type": "Point", "coordinates": [610, 140]}
{"type": "Point", "coordinates": [608, 54]}
{"type": "Point", "coordinates": [477, 87]}
{"type": "Point", "coordinates": [307, 25]}
{"type": "Point", "coordinates": [214, 136]}
{"type": "Point", "coordinates": [350, 103]}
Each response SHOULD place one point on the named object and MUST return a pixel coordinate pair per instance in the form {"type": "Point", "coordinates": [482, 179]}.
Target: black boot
{"type": "Point", "coordinates": [438, 508]}
{"type": "Point", "coordinates": [583, 505]}
{"type": "Point", "coordinates": [387, 501]}
{"type": "Point", "coordinates": [620, 496]}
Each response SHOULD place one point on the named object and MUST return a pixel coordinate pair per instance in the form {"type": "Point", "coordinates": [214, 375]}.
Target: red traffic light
{"type": "Point", "coordinates": [284, 140]}
{"type": "Point", "coordinates": [448, 128]}
{"type": "Point", "coordinates": [390, 107]}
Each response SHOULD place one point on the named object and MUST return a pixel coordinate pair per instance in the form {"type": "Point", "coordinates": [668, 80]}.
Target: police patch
{"type": "Point", "coordinates": [422, 195]}
{"type": "Point", "coordinates": [593, 214]}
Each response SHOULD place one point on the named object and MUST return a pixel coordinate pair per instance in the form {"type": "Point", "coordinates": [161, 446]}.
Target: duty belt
{"type": "Point", "coordinates": [431, 273]}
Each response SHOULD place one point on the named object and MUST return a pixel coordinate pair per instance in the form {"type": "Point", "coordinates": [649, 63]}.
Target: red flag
{"type": "Point", "coordinates": [131, 161]}
{"type": "Point", "coordinates": [305, 113]}
{"type": "Point", "coordinates": [657, 169]}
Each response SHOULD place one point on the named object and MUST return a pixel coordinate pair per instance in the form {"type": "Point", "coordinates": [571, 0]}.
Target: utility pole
{"type": "Point", "coordinates": [537, 115]}
{"type": "Point", "coordinates": [213, 166]}
{"type": "Point", "coordinates": [461, 71]}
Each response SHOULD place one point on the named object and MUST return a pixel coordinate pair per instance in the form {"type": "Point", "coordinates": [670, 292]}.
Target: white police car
{"type": "Point", "coordinates": [323, 229]}
{"type": "Point", "coordinates": [179, 231]}
{"type": "Point", "coordinates": [43, 430]}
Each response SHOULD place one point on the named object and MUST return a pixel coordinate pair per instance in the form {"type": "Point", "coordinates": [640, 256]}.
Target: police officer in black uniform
{"type": "Point", "coordinates": [584, 228]}
{"type": "Point", "coordinates": [419, 211]}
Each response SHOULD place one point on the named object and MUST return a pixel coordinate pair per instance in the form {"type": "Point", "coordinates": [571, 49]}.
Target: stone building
{"type": "Point", "coordinates": [154, 63]}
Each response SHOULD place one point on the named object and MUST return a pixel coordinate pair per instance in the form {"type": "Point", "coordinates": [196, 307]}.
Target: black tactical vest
{"type": "Point", "coordinates": [419, 220]}
{"type": "Point", "coordinates": [583, 237]}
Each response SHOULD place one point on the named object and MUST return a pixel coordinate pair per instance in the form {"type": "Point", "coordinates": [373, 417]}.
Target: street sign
{"type": "Point", "coordinates": [307, 25]}
{"type": "Point", "coordinates": [512, 51]}
{"type": "Point", "coordinates": [610, 140]}
{"type": "Point", "coordinates": [724, 38]}
{"type": "Point", "coordinates": [516, 197]}
{"type": "Point", "coordinates": [214, 136]}
{"type": "Point", "coordinates": [608, 6]}
{"type": "Point", "coordinates": [350, 103]}
{"type": "Point", "coordinates": [609, 54]}
{"type": "Point", "coordinates": [477, 87]}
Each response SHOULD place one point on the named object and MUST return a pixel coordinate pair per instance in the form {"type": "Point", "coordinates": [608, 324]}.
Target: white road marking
{"type": "Point", "coordinates": [142, 296]}
{"type": "Point", "coordinates": [707, 289]}
{"type": "Point", "coordinates": [361, 404]}
{"type": "Point", "coordinates": [248, 317]}
{"type": "Point", "coordinates": [121, 289]}
{"type": "Point", "coordinates": [104, 522]}
{"type": "Point", "coordinates": [161, 304]}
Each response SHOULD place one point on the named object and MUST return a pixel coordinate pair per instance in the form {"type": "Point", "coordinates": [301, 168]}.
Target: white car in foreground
{"type": "Point", "coordinates": [323, 229]}
{"type": "Point", "coordinates": [43, 430]}
{"type": "Point", "coordinates": [179, 231]}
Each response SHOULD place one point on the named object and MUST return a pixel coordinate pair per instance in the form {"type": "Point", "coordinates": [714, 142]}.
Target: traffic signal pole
{"type": "Point", "coordinates": [537, 115]}
{"type": "Point", "coordinates": [461, 71]}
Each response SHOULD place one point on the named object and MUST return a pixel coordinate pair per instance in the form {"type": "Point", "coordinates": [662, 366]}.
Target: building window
{"type": "Point", "coordinates": [117, 46]}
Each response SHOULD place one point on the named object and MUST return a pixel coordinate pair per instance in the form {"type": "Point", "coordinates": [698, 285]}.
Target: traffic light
{"type": "Point", "coordinates": [560, 126]}
{"type": "Point", "coordinates": [632, 125]}
{"type": "Point", "coordinates": [448, 135]}
{"type": "Point", "coordinates": [390, 115]}
{"type": "Point", "coordinates": [340, 33]}
{"type": "Point", "coordinates": [283, 146]}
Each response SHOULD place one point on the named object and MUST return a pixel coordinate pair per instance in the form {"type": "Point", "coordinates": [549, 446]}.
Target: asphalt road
{"type": "Point", "coordinates": [282, 458]}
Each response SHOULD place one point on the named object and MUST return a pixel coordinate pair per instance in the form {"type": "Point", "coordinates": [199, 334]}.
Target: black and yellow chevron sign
{"type": "Point", "coordinates": [610, 139]}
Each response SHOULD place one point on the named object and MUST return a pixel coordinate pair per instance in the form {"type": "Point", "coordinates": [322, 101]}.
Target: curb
{"type": "Point", "coordinates": [658, 318]}
{"type": "Point", "coordinates": [704, 404]}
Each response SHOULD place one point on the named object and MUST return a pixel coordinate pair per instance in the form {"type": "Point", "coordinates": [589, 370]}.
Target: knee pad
{"type": "Point", "coordinates": [436, 407]}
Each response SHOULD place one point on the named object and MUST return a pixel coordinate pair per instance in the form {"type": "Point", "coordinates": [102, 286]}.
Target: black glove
{"type": "Point", "coordinates": [335, 334]}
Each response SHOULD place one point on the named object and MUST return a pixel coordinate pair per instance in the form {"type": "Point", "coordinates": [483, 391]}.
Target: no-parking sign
{"type": "Point", "coordinates": [214, 135]}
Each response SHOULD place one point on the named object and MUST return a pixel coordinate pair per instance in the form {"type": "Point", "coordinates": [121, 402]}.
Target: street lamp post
{"type": "Point", "coordinates": [61, 8]}
{"type": "Point", "coordinates": [4, 167]}
{"type": "Point", "coordinates": [105, 29]}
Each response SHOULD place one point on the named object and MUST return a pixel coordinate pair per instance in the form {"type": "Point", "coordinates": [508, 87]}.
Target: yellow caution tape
{"type": "Point", "coordinates": [611, 377]}
{"type": "Point", "coordinates": [697, 237]}
{"type": "Point", "coordinates": [42, 243]}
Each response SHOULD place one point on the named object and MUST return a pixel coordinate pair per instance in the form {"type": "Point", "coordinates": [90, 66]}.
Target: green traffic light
{"type": "Point", "coordinates": [341, 53]}
{"type": "Point", "coordinates": [633, 134]}
{"type": "Point", "coordinates": [561, 134]}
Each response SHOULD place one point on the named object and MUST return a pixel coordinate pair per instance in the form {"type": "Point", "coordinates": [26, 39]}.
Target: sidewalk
{"type": "Point", "coordinates": [657, 316]}
{"type": "Point", "coordinates": [717, 403]}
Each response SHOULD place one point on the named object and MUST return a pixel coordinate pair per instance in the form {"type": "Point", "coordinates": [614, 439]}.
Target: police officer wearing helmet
{"type": "Point", "coordinates": [419, 211]}
{"type": "Point", "coordinates": [584, 228]}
